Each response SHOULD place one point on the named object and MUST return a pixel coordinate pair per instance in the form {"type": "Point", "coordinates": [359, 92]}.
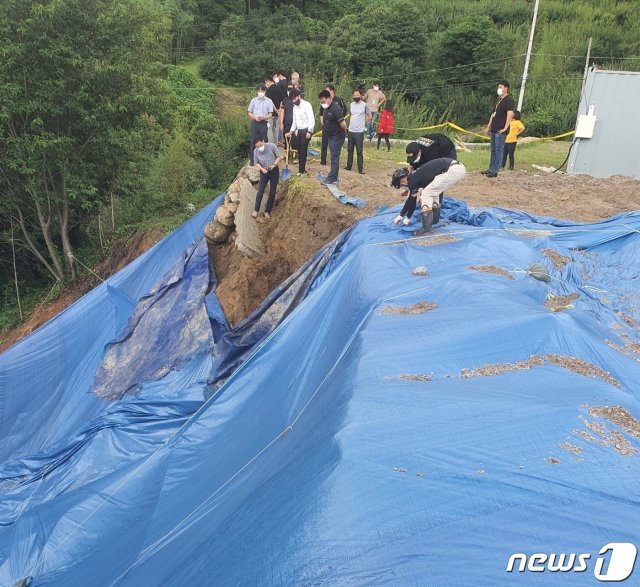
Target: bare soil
{"type": "Point", "coordinates": [121, 255]}
{"type": "Point", "coordinates": [417, 308]}
{"type": "Point", "coordinates": [566, 362]}
{"type": "Point", "coordinates": [303, 224]}
{"type": "Point", "coordinates": [558, 260]}
{"type": "Point", "coordinates": [413, 377]}
{"type": "Point", "coordinates": [560, 303]}
{"type": "Point", "coordinates": [491, 269]}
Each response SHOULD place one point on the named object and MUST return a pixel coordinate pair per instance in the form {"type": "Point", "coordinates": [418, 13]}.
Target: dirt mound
{"type": "Point", "coordinates": [304, 219]}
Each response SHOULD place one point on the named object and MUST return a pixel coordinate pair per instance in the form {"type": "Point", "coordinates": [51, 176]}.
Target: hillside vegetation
{"type": "Point", "coordinates": [446, 56]}
{"type": "Point", "coordinates": [107, 125]}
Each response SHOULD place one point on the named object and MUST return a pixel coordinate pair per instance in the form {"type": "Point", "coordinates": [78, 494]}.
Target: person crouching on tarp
{"type": "Point", "coordinates": [433, 177]}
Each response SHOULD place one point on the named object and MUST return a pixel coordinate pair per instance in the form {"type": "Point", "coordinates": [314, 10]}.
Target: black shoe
{"type": "Point", "coordinates": [323, 162]}
{"type": "Point", "coordinates": [361, 171]}
{"type": "Point", "coordinates": [427, 223]}
{"type": "Point", "coordinates": [347, 168]}
{"type": "Point", "coordinates": [485, 172]}
{"type": "Point", "coordinates": [491, 174]}
{"type": "Point", "coordinates": [436, 214]}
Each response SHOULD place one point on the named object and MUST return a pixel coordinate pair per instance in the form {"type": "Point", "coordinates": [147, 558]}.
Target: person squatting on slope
{"type": "Point", "coordinates": [433, 177]}
{"type": "Point", "coordinates": [266, 158]}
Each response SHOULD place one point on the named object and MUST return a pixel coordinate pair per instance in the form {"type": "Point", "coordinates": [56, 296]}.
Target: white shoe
{"type": "Point", "coordinates": [406, 221]}
{"type": "Point", "coordinates": [398, 219]}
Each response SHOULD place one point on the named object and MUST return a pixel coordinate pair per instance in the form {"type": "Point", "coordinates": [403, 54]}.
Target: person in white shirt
{"type": "Point", "coordinates": [301, 128]}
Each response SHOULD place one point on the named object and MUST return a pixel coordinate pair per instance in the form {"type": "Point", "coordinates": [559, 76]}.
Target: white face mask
{"type": "Point", "coordinates": [325, 106]}
{"type": "Point", "coordinates": [261, 149]}
{"type": "Point", "coordinates": [260, 94]}
{"type": "Point", "coordinates": [276, 79]}
{"type": "Point", "coordinates": [500, 91]}
{"type": "Point", "coordinates": [376, 88]}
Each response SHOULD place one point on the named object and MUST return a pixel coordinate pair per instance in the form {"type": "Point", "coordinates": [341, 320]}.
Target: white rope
{"type": "Point", "coordinates": [71, 256]}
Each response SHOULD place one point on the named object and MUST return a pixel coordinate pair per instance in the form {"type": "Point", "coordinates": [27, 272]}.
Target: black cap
{"type": "Point", "coordinates": [398, 174]}
{"type": "Point", "coordinates": [504, 83]}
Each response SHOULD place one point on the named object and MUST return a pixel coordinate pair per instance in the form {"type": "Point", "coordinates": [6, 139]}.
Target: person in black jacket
{"type": "Point", "coordinates": [432, 178]}
{"type": "Point", "coordinates": [498, 127]}
{"type": "Point", "coordinates": [429, 147]}
{"type": "Point", "coordinates": [274, 93]}
{"type": "Point", "coordinates": [325, 140]}
{"type": "Point", "coordinates": [335, 127]}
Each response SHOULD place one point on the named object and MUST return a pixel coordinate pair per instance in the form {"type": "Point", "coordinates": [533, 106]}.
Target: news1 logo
{"type": "Point", "coordinates": [614, 563]}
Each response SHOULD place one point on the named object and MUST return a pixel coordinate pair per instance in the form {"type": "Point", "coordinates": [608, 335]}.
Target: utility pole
{"type": "Point", "coordinates": [528, 58]}
{"type": "Point", "coordinates": [586, 69]}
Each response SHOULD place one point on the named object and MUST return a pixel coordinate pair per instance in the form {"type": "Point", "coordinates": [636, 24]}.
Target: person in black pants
{"type": "Point", "coordinates": [266, 157]}
{"type": "Point", "coordinates": [301, 129]}
{"type": "Point", "coordinates": [325, 140]}
{"type": "Point", "coordinates": [260, 110]}
{"type": "Point", "coordinates": [335, 128]}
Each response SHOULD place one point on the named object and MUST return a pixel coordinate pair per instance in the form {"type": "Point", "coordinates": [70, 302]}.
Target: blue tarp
{"type": "Point", "coordinates": [339, 435]}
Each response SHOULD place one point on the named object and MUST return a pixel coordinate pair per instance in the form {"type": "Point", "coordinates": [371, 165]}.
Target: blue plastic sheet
{"type": "Point", "coordinates": [351, 442]}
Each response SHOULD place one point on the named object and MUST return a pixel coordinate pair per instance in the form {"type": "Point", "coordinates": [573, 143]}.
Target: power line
{"type": "Point", "coordinates": [611, 57]}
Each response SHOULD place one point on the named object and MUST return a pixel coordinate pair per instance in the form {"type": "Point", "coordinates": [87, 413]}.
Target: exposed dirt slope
{"type": "Point", "coordinates": [306, 217]}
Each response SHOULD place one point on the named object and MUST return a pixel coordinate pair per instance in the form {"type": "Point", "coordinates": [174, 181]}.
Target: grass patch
{"type": "Point", "coordinates": [545, 153]}
{"type": "Point", "coordinates": [193, 67]}
{"type": "Point", "coordinates": [297, 188]}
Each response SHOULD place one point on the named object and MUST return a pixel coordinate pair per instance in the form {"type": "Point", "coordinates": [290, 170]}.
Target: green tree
{"type": "Point", "coordinates": [75, 78]}
{"type": "Point", "coordinates": [385, 37]}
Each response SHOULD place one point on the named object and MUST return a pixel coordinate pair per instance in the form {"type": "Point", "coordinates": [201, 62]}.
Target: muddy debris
{"type": "Point", "coordinates": [560, 303]}
{"type": "Point", "coordinates": [629, 350]}
{"type": "Point", "coordinates": [415, 377]}
{"type": "Point", "coordinates": [634, 347]}
{"type": "Point", "coordinates": [558, 260]}
{"type": "Point", "coordinates": [585, 435]}
{"type": "Point", "coordinates": [420, 272]}
{"type": "Point", "coordinates": [531, 233]}
{"type": "Point", "coordinates": [499, 368]}
{"type": "Point", "coordinates": [570, 363]}
{"type": "Point", "coordinates": [400, 469]}
{"type": "Point", "coordinates": [438, 239]}
{"type": "Point", "coordinates": [607, 437]}
{"type": "Point", "coordinates": [629, 320]}
{"type": "Point", "coordinates": [553, 460]}
{"type": "Point", "coordinates": [576, 450]}
{"type": "Point", "coordinates": [417, 308]}
{"type": "Point", "coordinates": [619, 416]}
{"type": "Point", "coordinates": [581, 367]}
{"type": "Point", "coordinates": [491, 269]}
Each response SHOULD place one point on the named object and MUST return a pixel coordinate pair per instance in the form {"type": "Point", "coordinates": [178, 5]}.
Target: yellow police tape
{"type": "Point", "coordinates": [475, 134]}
